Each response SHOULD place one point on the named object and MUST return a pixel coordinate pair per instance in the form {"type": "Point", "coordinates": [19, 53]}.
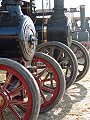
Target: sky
{"type": "Point", "coordinates": [69, 4]}
{"type": "Point", "coordinates": [77, 3]}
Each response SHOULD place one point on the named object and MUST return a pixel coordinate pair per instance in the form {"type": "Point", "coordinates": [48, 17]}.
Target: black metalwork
{"type": "Point", "coordinates": [17, 32]}
{"type": "Point", "coordinates": [57, 24]}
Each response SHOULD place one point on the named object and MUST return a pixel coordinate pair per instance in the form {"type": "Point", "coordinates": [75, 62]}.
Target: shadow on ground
{"type": "Point", "coordinates": [75, 93]}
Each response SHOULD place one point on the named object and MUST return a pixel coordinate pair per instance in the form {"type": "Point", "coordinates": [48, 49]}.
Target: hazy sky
{"type": "Point", "coordinates": [69, 4]}
{"type": "Point", "coordinates": [77, 3]}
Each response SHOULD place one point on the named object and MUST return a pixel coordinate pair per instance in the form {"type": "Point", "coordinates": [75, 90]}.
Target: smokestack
{"type": "Point", "coordinates": [82, 16]}
{"type": "Point", "coordinates": [57, 29]}
{"type": "Point", "coordinates": [59, 6]}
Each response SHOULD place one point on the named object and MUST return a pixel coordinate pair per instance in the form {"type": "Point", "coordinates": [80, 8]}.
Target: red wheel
{"type": "Point", "coordinates": [50, 79]}
{"type": "Point", "coordinates": [18, 89]}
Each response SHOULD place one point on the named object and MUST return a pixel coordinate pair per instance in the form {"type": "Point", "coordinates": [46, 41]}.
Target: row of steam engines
{"type": "Point", "coordinates": [50, 24]}
{"type": "Point", "coordinates": [36, 81]}
{"type": "Point", "coordinates": [33, 82]}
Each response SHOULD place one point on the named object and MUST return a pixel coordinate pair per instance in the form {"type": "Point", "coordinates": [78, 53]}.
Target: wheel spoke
{"type": "Point", "coordinates": [22, 104]}
{"type": "Point", "coordinates": [47, 80]}
{"type": "Point", "coordinates": [16, 91]}
{"type": "Point", "coordinates": [8, 79]}
{"type": "Point", "coordinates": [73, 48]}
{"type": "Point", "coordinates": [14, 112]}
{"type": "Point", "coordinates": [2, 116]}
{"type": "Point", "coordinates": [81, 64]}
{"type": "Point", "coordinates": [42, 72]}
{"type": "Point", "coordinates": [44, 50]}
{"type": "Point", "coordinates": [82, 56]}
{"type": "Point", "coordinates": [46, 76]}
{"type": "Point", "coordinates": [64, 60]}
{"type": "Point", "coordinates": [79, 71]}
{"type": "Point", "coordinates": [47, 89]}
{"type": "Point", "coordinates": [42, 95]}
{"type": "Point", "coordinates": [51, 52]}
{"type": "Point", "coordinates": [16, 102]}
{"type": "Point", "coordinates": [59, 56]}
{"type": "Point", "coordinates": [66, 73]}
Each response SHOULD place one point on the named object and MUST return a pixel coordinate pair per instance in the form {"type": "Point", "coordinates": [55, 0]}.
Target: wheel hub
{"type": "Point", "coordinates": [2, 101]}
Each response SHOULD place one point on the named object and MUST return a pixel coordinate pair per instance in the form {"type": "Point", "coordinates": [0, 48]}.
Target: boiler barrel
{"type": "Point", "coordinates": [17, 32]}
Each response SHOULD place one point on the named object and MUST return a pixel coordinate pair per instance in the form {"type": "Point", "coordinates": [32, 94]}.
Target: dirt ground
{"type": "Point", "coordinates": [75, 104]}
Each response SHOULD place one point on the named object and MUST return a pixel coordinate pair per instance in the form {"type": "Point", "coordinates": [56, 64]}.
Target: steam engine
{"type": "Point", "coordinates": [17, 32]}
{"type": "Point", "coordinates": [54, 27]}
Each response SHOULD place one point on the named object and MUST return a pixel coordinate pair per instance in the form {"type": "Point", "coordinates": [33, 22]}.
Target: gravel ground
{"type": "Point", "coordinates": [75, 104]}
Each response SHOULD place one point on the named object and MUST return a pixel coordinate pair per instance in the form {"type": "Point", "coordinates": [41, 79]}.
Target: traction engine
{"type": "Point", "coordinates": [55, 39]}
{"type": "Point", "coordinates": [17, 32]}
{"type": "Point", "coordinates": [34, 74]}
{"type": "Point", "coordinates": [30, 82]}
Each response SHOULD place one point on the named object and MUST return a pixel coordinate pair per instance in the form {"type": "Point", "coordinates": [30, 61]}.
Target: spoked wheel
{"type": "Point", "coordinates": [18, 89]}
{"type": "Point", "coordinates": [64, 56]}
{"type": "Point", "coordinates": [50, 79]}
{"type": "Point", "coordinates": [82, 57]}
